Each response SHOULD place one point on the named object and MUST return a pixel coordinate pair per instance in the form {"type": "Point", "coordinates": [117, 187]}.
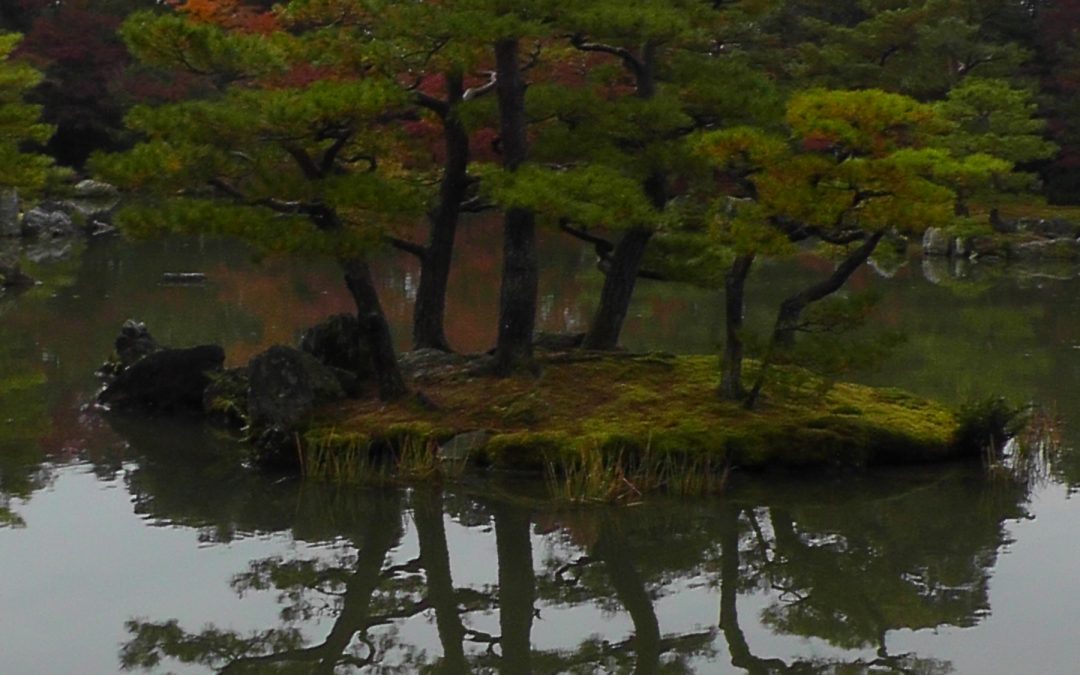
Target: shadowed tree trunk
{"type": "Point", "coordinates": [374, 330]}
{"type": "Point", "coordinates": [518, 294]}
{"type": "Point", "coordinates": [792, 308]}
{"type": "Point", "coordinates": [731, 386]}
{"type": "Point", "coordinates": [622, 273]}
{"type": "Point", "coordinates": [430, 308]}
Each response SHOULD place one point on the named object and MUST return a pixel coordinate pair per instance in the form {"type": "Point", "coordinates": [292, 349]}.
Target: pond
{"type": "Point", "coordinates": [146, 545]}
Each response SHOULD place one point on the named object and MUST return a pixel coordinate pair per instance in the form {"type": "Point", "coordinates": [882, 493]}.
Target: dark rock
{"type": "Point", "coordinates": [183, 278]}
{"type": "Point", "coordinates": [424, 363]}
{"type": "Point", "coordinates": [11, 274]}
{"type": "Point", "coordinates": [170, 380]}
{"type": "Point", "coordinates": [225, 399]}
{"type": "Point", "coordinates": [9, 213]}
{"type": "Point", "coordinates": [133, 343]}
{"type": "Point", "coordinates": [336, 343]}
{"type": "Point", "coordinates": [285, 385]}
{"type": "Point", "coordinates": [558, 342]}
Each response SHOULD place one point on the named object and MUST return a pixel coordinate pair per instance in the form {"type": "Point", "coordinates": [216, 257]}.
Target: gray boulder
{"type": "Point", "coordinates": [169, 381]}
{"type": "Point", "coordinates": [935, 242]}
{"type": "Point", "coordinates": [43, 222]}
{"type": "Point", "coordinates": [285, 385]}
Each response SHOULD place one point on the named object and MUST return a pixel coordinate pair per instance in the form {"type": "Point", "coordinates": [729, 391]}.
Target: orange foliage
{"type": "Point", "coordinates": [232, 14]}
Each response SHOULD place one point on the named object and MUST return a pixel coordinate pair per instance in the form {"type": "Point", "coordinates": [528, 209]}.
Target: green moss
{"type": "Point", "coordinates": [624, 424]}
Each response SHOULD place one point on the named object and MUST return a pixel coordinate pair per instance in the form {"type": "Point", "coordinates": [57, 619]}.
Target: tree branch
{"type": "Point", "coordinates": [634, 63]}
{"type": "Point", "coordinates": [407, 246]}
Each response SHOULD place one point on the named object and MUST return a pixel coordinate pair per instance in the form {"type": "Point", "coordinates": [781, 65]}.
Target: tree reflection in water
{"type": "Point", "coordinates": [846, 562]}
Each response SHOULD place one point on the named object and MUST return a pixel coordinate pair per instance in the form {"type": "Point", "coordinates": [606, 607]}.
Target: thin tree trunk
{"type": "Point", "coordinates": [619, 283]}
{"type": "Point", "coordinates": [731, 386]}
{"type": "Point", "coordinates": [374, 330]}
{"type": "Point", "coordinates": [792, 308]}
{"type": "Point", "coordinates": [518, 295]}
{"type": "Point", "coordinates": [429, 311]}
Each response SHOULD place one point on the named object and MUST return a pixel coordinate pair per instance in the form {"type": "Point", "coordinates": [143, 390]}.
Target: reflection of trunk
{"type": "Point", "coordinates": [731, 386]}
{"type": "Point", "coordinates": [382, 532]}
{"type": "Point", "coordinates": [430, 308]}
{"type": "Point", "coordinates": [792, 308]}
{"type": "Point", "coordinates": [619, 282]}
{"type": "Point", "coordinates": [517, 589]}
{"type": "Point", "coordinates": [517, 299]}
{"type": "Point", "coordinates": [741, 657]}
{"type": "Point", "coordinates": [435, 558]}
{"type": "Point", "coordinates": [614, 551]}
{"type": "Point", "coordinates": [374, 330]}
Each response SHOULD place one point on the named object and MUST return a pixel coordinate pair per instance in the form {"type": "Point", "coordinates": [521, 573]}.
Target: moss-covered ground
{"type": "Point", "coordinates": [641, 419]}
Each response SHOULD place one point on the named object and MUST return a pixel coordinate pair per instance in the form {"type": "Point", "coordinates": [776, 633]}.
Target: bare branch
{"type": "Point", "coordinates": [473, 93]}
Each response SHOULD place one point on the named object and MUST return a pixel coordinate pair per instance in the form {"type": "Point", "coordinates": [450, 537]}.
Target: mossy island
{"type": "Point", "coordinates": [613, 426]}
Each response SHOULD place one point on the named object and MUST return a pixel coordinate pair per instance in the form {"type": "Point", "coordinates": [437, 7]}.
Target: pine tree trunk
{"type": "Point", "coordinates": [374, 330]}
{"type": "Point", "coordinates": [619, 284]}
{"type": "Point", "coordinates": [625, 264]}
{"type": "Point", "coordinates": [731, 386]}
{"type": "Point", "coordinates": [792, 308]}
{"type": "Point", "coordinates": [518, 295]}
{"type": "Point", "coordinates": [429, 311]}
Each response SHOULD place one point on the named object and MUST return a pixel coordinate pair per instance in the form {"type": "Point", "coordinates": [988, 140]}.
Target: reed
{"type": "Point", "coordinates": [621, 476]}
{"type": "Point", "coordinates": [355, 458]}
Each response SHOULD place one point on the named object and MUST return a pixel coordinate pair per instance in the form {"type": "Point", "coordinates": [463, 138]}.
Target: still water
{"type": "Point", "coordinates": [144, 545]}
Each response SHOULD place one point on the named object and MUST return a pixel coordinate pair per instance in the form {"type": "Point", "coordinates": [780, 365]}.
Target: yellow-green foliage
{"type": "Point", "coordinates": [611, 427]}
{"type": "Point", "coordinates": [20, 123]}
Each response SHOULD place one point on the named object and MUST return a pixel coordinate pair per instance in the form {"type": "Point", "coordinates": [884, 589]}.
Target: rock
{"type": "Point", "coordinates": [461, 446]}
{"type": "Point", "coordinates": [1046, 249]}
{"type": "Point", "coordinates": [424, 363]}
{"type": "Point", "coordinates": [285, 385]}
{"type": "Point", "coordinates": [134, 342]}
{"type": "Point", "coordinates": [95, 188]}
{"type": "Point", "coordinates": [12, 276]}
{"type": "Point", "coordinates": [9, 213]}
{"type": "Point", "coordinates": [336, 343]}
{"type": "Point", "coordinates": [170, 380]}
{"type": "Point", "coordinates": [558, 342]}
{"type": "Point", "coordinates": [42, 222]}
{"type": "Point", "coordinates": [936, 242]}
{"type": "Point", "coordinates": [183, 278]}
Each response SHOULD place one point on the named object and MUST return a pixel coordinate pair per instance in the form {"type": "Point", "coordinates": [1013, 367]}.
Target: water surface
{"type": "Point", "coordinates": [146, 545]}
